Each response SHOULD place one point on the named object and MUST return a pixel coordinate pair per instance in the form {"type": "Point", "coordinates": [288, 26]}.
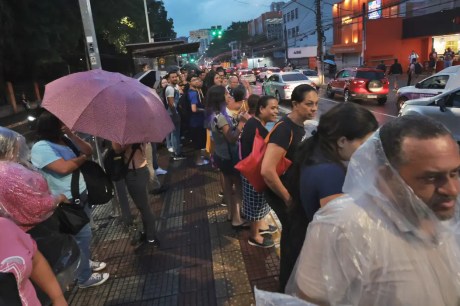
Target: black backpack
{"type": "Point", "coordinates": [184, 107]}
{"type": "Point", "coordinates": [418, 68]}
{"type": "Point", "coordinates": [115, 165]}
{"type": "Point", "coordinates": [98, 183]}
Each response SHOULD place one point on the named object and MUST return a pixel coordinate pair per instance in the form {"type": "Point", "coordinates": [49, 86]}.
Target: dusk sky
{"type": "Point", "coordinates": [201, 14]}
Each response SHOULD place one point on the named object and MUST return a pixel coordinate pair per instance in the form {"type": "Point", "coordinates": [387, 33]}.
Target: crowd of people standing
{"type": "Point", "coordinates": [369, 216]}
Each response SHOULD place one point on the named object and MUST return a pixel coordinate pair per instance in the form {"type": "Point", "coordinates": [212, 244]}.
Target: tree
{"type": "Point", "coordinates": [161, 26]}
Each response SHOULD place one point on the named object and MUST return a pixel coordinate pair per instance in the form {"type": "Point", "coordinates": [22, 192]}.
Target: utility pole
{"type": "Point", "coordinates": [90, 34]}
{"type": "Point", "coordinates": [319, 35]}
{"type": "Point", "coordinates": [147, 21]}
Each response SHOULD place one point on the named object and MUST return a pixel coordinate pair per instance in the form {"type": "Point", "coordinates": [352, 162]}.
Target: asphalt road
{"type": "Point", "coordinates": [383, 113]}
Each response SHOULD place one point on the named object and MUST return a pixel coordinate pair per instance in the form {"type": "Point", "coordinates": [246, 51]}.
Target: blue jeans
{"type": "Point", "coordinates": [154, 155]}
{"type": "Point", "coordinates": [83, 239]}
{"type": "Point", "coordinates": [169, 141]}
{"type": "Point", "coordinates": [175, 135]}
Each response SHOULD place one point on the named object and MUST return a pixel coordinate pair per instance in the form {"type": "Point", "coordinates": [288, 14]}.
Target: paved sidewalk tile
{"type": "Point", "coordinates": [201, 260]}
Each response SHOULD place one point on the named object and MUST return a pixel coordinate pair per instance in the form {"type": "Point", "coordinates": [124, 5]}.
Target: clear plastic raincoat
{"type": "Point", "coordinates": [24, 194]}
{"type": "Point", "coordinates": [379, 244]}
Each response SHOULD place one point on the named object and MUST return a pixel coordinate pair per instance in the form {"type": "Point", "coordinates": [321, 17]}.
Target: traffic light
{"type": "Point", "coordinates": [216, 31]}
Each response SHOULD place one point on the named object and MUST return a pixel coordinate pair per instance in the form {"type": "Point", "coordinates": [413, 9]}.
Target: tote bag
{"type": "Point", "coordinates": [250, 167]}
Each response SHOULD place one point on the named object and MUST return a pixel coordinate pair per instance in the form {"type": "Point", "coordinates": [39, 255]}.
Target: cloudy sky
{"type": "Point", "coordinates": [200, 14]}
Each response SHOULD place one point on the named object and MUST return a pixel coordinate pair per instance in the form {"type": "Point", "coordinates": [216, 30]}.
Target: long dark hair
{"type": "Point", "coordinates": [344, 120]}
{"type": "Point", "coordinates": [49, 127]}
{"type": "Point", "coordinates": [208, 81]}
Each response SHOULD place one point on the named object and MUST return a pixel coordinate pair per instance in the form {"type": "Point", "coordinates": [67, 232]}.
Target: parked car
{"type": "Point", "coordinates": [256, 71]}
{"type": "Point", "coordinates": [438, 83]}
{"type": "Point", "coordinates": [444, 108]}
{"type": "Point", "coordinates": [266, 72]}
{"type": "Point", "coordinates": [359, 83]}
{"type": "Point", "coordinates": [248, 75]}
{"type": "Point", "coordinates": [281, 85]}
{"type": "Point", "coordinates": [311, 74]}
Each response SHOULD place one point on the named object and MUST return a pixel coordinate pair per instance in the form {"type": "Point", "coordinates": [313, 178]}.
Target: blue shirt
{"type": "Point", "coordinates": [197, 118]}
{"type": "Point", "coordinates": [317, 182]}
{"type": "Point", "coordinates": [43, 154]}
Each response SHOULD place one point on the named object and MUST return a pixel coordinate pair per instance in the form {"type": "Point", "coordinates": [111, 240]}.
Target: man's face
{"type": "Point", "coordinates": [196, 82]}
{"type": "Point", "coordinates": [173, 79]}
{"type": "Point", "coordinates": [431, 168]}
{"type": "Point", "coordinates": [233, 82]}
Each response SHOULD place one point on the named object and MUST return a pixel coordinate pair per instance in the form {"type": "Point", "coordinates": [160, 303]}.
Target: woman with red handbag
{"type": "Point", "coordinates": [255, 207]}
{"type": "Point", "coordinates": [283, 143]}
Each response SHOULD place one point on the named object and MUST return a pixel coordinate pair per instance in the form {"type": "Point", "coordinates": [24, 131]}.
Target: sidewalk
{"type": "Point", "coordinates": [201, 260]}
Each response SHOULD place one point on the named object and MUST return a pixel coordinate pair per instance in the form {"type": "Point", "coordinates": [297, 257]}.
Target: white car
{"type": "Point", "coordinates": [434, 85]}
{"type": "Point", "coordinates": [311, 74]}
{"type": "Point", "coordinates": [444, 108]}
{"type": "Point", "coordinates": [247, 75]}
{"type": "Point", "coordinates": [281, 85]}
{"type": "Point", "coordinates": [266, 72]}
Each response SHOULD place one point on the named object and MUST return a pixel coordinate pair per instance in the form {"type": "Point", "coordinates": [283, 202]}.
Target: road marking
{"type": "Point", "coordinates": [336, 102]}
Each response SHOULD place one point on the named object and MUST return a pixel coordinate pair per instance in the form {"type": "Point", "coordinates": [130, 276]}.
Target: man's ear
{"type": "Point", "coordinates": [341, 142]}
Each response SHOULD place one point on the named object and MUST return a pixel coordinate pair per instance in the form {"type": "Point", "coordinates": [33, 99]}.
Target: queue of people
{"type": "Point", "coordinates": [369, 216]}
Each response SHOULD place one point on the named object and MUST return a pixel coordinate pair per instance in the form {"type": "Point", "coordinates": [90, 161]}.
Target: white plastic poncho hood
{"type": "Point", "coordinates": [13, 147]}
{"type": "Point", "coordinates": [379, 244]}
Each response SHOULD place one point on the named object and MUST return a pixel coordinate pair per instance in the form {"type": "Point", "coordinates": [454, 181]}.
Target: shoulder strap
{"type": "Point", "coordinates": [71, 145]}
{"type": "Point", "coordinates": [273, 129]}
{"type": "Point", "coordinates": [74, 186]}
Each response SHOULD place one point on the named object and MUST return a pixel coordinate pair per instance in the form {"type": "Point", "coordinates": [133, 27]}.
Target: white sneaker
{"type": "Point", "coordinates": [171, 150]}
{"type": "Point", "coordinates": [97, 266]}
{"type": "Point", "coordinates": [202, 162]}
{"type": "Point", "coordinates": [95, 279]}
{"type": "Point", "coordinates": [160, 171]}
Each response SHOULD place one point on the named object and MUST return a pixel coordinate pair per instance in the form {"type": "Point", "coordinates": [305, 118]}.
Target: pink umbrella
{"type": "Point", "coordinates": [108, 105]}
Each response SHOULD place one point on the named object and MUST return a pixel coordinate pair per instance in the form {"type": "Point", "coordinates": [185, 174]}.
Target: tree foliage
{"type": "Point", "coordinates": [45, 39]}
{"type": "Point", "coordinates": [161, 27]}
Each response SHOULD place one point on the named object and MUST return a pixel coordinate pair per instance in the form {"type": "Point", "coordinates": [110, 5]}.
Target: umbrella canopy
{"type": "Point", "coordinates": [108, 105]}
{"type": "Point", "coordinates": [330, 62]}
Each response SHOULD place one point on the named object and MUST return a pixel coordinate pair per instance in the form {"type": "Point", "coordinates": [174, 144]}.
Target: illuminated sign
{"type": "Point", "coordinates": [375, 9]}
{"type": "Point", "coordinates": [346, 20]}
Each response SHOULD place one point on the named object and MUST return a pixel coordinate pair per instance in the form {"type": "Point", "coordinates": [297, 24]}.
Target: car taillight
{"type": "Point", "coordinates": [286, 86]}
{"type": "Point", "coordinates": [357, 82]}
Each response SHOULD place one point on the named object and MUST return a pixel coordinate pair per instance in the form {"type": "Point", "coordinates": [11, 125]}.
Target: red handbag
{"type": "Point", "coordinates": [251, 166]}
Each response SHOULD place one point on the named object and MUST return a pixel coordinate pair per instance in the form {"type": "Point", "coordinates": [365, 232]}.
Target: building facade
{"type": "Point", "coordinates": [258, 26]}
{"type": "Point", "coordinates": [299, 26]}
{"type": "Point", "coordinates": [203, 36]}
{"type": "Point", "coordinates": [276, 6]}
{"type": "Point", "coordinates": [274, 28]}
{"type": "Point", "coordinates": [392, 30]}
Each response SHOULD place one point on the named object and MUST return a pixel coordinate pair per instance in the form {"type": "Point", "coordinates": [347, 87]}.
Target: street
{"type": "Point", "coordinates": [381, 113]}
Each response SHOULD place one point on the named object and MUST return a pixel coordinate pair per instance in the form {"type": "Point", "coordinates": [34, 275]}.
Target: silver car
{"type": "Point", "coordinates": [444, 108]}
{"type": "Point", "coordinates": [311, 74]}
{"type": "Point", "coordinates": [281, 85]}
